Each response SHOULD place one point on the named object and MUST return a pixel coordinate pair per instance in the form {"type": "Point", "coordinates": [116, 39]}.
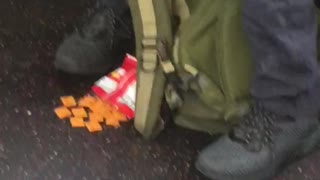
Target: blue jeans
{"type": "Point", "coordinates": [282, 35]}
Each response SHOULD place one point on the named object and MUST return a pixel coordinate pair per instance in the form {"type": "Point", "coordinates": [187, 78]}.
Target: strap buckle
{"type": "Point", "coordinates": [149, 59]}
{"type": "Point", "coordinates": [155, 52]}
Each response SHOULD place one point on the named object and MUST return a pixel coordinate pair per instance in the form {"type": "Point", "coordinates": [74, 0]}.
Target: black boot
{"type": "Point", "coordinates": [98, 46]}
{"type": "Point", "coordinates": [260, 146]}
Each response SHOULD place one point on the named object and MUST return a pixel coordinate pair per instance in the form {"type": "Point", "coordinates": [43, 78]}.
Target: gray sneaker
{"type": "Point", "coordinates": [260, 146]}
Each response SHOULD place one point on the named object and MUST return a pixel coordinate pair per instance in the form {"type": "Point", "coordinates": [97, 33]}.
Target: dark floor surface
{"type": "Point", "coordinates": [34, 145]}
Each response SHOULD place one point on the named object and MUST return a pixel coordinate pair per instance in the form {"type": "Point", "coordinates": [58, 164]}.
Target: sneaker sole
{"type": "Point", "coordinates": [309, 146]}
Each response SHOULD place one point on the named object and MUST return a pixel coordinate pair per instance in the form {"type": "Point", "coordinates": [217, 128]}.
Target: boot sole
{"type": "Point", "coordinates": [309, 146]}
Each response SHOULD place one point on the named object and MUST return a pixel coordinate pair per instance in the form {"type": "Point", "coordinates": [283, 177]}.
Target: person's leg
{"type": "Point", "coordinates": [283, 122]}
{"type": "Point", "coordinates": [282, 38]}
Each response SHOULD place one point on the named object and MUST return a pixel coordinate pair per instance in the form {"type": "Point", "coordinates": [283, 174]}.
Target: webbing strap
{"type": "Point", "coordinates": [148, 61]}
{"type": "Point", "coordinates": [152, 51]}
{"type": "Point", "coordinates": [169, 69]}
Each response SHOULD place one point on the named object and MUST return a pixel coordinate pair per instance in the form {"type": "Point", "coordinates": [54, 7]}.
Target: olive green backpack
{"type": "Point", "coordinates": [193, 57]}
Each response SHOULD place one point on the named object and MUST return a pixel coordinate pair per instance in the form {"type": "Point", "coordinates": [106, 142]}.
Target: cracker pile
{"type": "Point", "coordinates": [89, 112]}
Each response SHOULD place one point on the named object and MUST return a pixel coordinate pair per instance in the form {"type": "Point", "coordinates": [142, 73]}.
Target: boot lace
{"type": "Point", "coordinates": [256, 128]}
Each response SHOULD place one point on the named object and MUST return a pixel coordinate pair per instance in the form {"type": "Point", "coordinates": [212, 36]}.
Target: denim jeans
{"type": "Point", "coordinates": [282, 36]}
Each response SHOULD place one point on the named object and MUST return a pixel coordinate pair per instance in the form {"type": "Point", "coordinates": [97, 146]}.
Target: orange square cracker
{"type": "Point", "coordinates": [79, 112]}
{"type": "Point", "coordinates": [100, 107]}
{"type": "Point", "coordinates": [95, 117]}
{"type": "Point", "coordinates": [87, 101]}
{"type": "Point", "coordinates": [62, 112]}
{"type": "Point", "coordinates": [77, 122]}
{"type": "Point", "coordinates": [68, 101]}
{"type": "Point", "coordinates": [113, 122]}
{"type": "Point", "coordinates": [93, 126]}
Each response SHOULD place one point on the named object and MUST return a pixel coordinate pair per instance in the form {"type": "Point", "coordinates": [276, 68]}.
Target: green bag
{"type": "Point", "coordinates": [192, 55]}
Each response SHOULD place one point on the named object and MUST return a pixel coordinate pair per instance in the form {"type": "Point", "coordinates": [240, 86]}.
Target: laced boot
{"type": "Point", "coordinates": [260, 146]}
{"type": "Point", "coordinates": [99, 45]}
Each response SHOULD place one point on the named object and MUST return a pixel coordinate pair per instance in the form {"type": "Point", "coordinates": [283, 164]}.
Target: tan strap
{"type": "Point", "coordinates": [149, 57]}
{"type": "Point", "coordinates": [190, 69]}
{"type": "Point", "coordinates": [167, 66]}
{"type": "Point", "coordinates": [148, 18]}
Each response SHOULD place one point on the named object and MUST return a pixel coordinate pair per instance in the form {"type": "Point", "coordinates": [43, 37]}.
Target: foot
{"type": "Point", "coordinates": [260, 146]}
{"type": "Point", "coordinates": [99, 45]}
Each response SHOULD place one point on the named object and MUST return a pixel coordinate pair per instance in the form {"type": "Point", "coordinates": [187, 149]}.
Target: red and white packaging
{"type": "Point", "coordinates": [119, 87]}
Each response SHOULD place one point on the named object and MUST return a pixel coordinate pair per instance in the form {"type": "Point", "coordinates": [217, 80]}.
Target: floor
{"type": "Point", "coordinates": [34, 145]}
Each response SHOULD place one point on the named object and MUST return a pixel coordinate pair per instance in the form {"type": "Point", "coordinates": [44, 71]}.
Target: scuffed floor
{"type": "Point", "coordinates": [35, 145]}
